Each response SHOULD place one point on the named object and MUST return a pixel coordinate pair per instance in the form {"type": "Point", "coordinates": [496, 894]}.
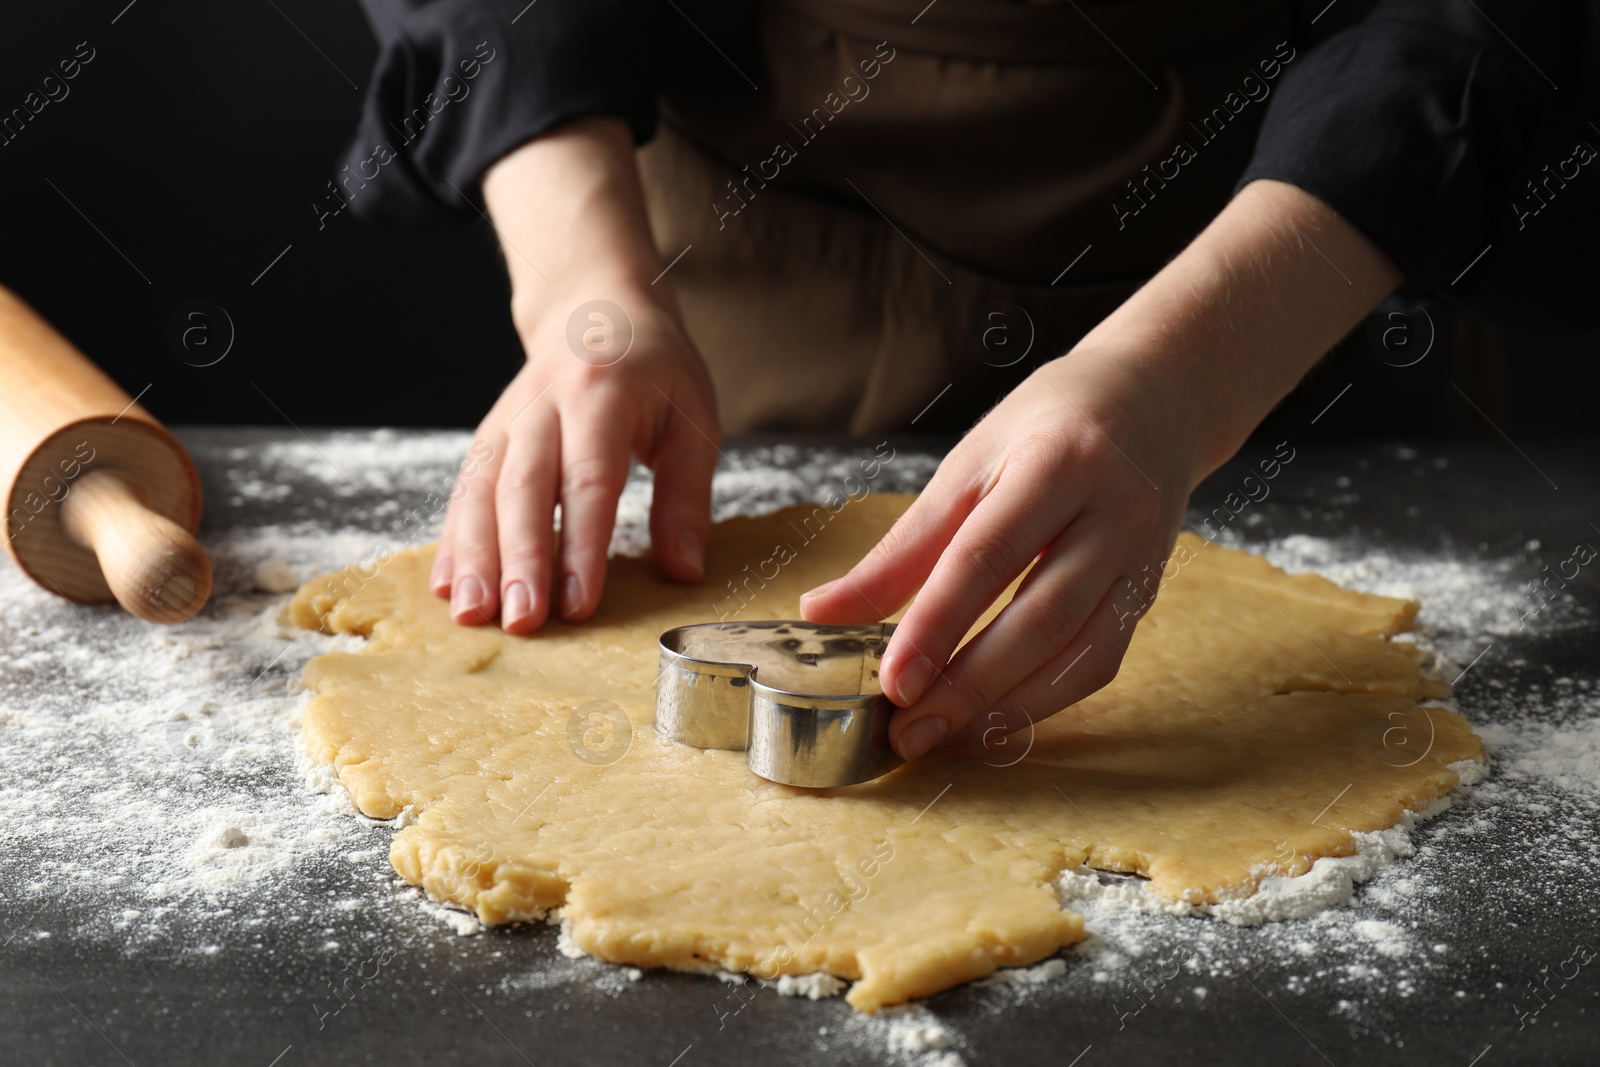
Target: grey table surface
{"type": "Point", "coordinates": [72, 991]}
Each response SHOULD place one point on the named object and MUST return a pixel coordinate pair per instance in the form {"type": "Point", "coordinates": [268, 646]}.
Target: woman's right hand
{"type": "Point", "coordinates": [611, 376]}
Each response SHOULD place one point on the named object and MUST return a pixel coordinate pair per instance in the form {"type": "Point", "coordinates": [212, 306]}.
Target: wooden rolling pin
{"type": "Point", "coordinates": [101, 501]}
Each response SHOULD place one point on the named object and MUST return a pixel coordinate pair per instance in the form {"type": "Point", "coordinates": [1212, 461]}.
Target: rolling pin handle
{"type": "Point", "coordinates": [155, 568]}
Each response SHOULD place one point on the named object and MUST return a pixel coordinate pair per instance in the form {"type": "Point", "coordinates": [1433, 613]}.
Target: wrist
{"type": "Point", "coordinates": [540, 306]}
{"type": "Point", "coordinates": [1231, 325]}
{"type": "Point", "coordinates": [569, 211]}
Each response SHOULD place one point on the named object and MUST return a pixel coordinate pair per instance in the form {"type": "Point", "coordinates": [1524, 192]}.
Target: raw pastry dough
{"type": "Point", "coordinates": [1258, 719]}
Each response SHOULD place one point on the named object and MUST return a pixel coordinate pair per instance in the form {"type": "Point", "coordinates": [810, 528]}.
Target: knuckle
{"type": "Point", "coordinates": [470, 487]}
{"type": "Point", "coordinates": [582, 376]}
{"type": "Point", "coordinates": [525, 556]}
{"type": "Point", "coordinates": [587, 477]}
{"type": "Point", "coordinates": [685, 437]}
{"type": "Point", "coordinates": [516, 482]}
{"type": "Point", "coordinates": [989, 558]}
{"type": "Point", "coordinates": [1048, 629]}
{"type": "Point", "coordinates": [1006, 716]}
{"type": "Point", "coordinates": [894, 545]}
{"type": "Point", "coordinates": [1101, 662]}
{"type": "Point", "coordinates": [1097, 456]}
{"type": "Point", "coordinates": [969, 695]}
{"type": "Point", "coordinates": [1046, 447]}
{"type": "Point", "coordinates": [474, 554]}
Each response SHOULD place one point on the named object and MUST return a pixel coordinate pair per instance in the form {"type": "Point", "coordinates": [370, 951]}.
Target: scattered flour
{"type": "Point", "coordinates": [156, 798]}
{"type": "Point", "coordinates": [1386, 937]}
{"type": "Point", "coordinates": [568, 947]}
{"type": "Point", "coordinates": [1038, 974]}
{"type": "Point", "coordinates": [919, 1033]}
{"type": "Point", "coordinates": [811, 986]}
{"type": "Point", "coordinates": [1564, 756]}
{"type": "Point", "coordinates": [556, 972]}
{"type": "Point", "coordinates": [463, 923]}
{"type": "Point", "coordinates": [1331, 881]}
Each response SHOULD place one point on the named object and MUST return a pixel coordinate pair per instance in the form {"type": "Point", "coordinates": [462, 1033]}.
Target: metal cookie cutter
{"type": "Point", "coordinates": [802, 699]}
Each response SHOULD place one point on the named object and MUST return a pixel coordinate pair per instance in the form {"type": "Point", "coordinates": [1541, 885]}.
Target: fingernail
{"type": "Point", "coordinates": [514, 604]}
{"type": "Point", "coordinates": [439, 581]}
{"type": "Point", "coordinates": [692, 550]}
{"type": "Point", "coordinates": [912, 679]}
{"type": "Point", "coordinates": [922, 735]}
{"type": "Point", "coordinates": [571, 595]}
{"type": "Point", "coordinates": [819, 590]}
{"type": "Point", "coordinates": [467, 596]}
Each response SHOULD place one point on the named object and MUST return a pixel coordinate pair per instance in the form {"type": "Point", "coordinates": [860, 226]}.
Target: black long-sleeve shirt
{"type": "Point", "coordinates": [1456, 135]}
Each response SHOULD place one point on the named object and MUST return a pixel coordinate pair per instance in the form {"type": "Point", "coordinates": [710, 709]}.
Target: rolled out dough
{"type": "Point", "coordinates": [1258, 720]}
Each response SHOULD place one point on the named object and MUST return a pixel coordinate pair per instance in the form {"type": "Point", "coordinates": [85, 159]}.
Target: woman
{"type": "Point", "coordinates": [848, 209]}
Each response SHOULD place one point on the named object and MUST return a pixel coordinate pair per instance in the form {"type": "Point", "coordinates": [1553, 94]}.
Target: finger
{"type": "Point", "coordinates": [1044, 617]}
{"type": "Point", "coordinates": [525, 500]}
{"type": "Point", "coordinates": [594, 468]}
{"type": "Point", "coordinates": [889, 575]}
{"type": "Point", "coordinates": [439, 579]}
{"type": "Point", "coordinates": [475, 550]}
{"type": "Point", "coordinates": [684, 461]}
{"type": "Point", "coordinates": [1007, 529]}
{"type": "Point", "coordinates": [1088, 664]}
{"type": "Point", "coordinates": [443, 568]}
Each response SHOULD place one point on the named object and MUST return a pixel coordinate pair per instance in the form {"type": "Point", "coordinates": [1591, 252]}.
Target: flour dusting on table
{"type": "Point", "coordinates": [155, 794]}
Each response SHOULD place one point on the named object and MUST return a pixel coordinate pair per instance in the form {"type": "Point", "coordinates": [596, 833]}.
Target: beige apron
{"type": "Point", "coordinates": [890, 223]}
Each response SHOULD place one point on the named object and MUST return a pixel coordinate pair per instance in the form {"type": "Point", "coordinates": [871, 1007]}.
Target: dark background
{"type": "Point", "coordinates": [196, 141]}
{"type": "Point", "coordinates": [199, 136]}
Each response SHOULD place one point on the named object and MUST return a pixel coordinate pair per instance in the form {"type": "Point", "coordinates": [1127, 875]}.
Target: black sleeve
{"type": "Point", "coordinates": [459, 83]}
{"type": "Point", "coordinates": [1450, 132]}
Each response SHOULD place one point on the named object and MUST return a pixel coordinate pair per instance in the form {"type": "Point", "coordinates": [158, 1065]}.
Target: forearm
{"type": "Point", "coordinates": [570, 213]}
{"type": "Point", "coordinates": [1229, 327]}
